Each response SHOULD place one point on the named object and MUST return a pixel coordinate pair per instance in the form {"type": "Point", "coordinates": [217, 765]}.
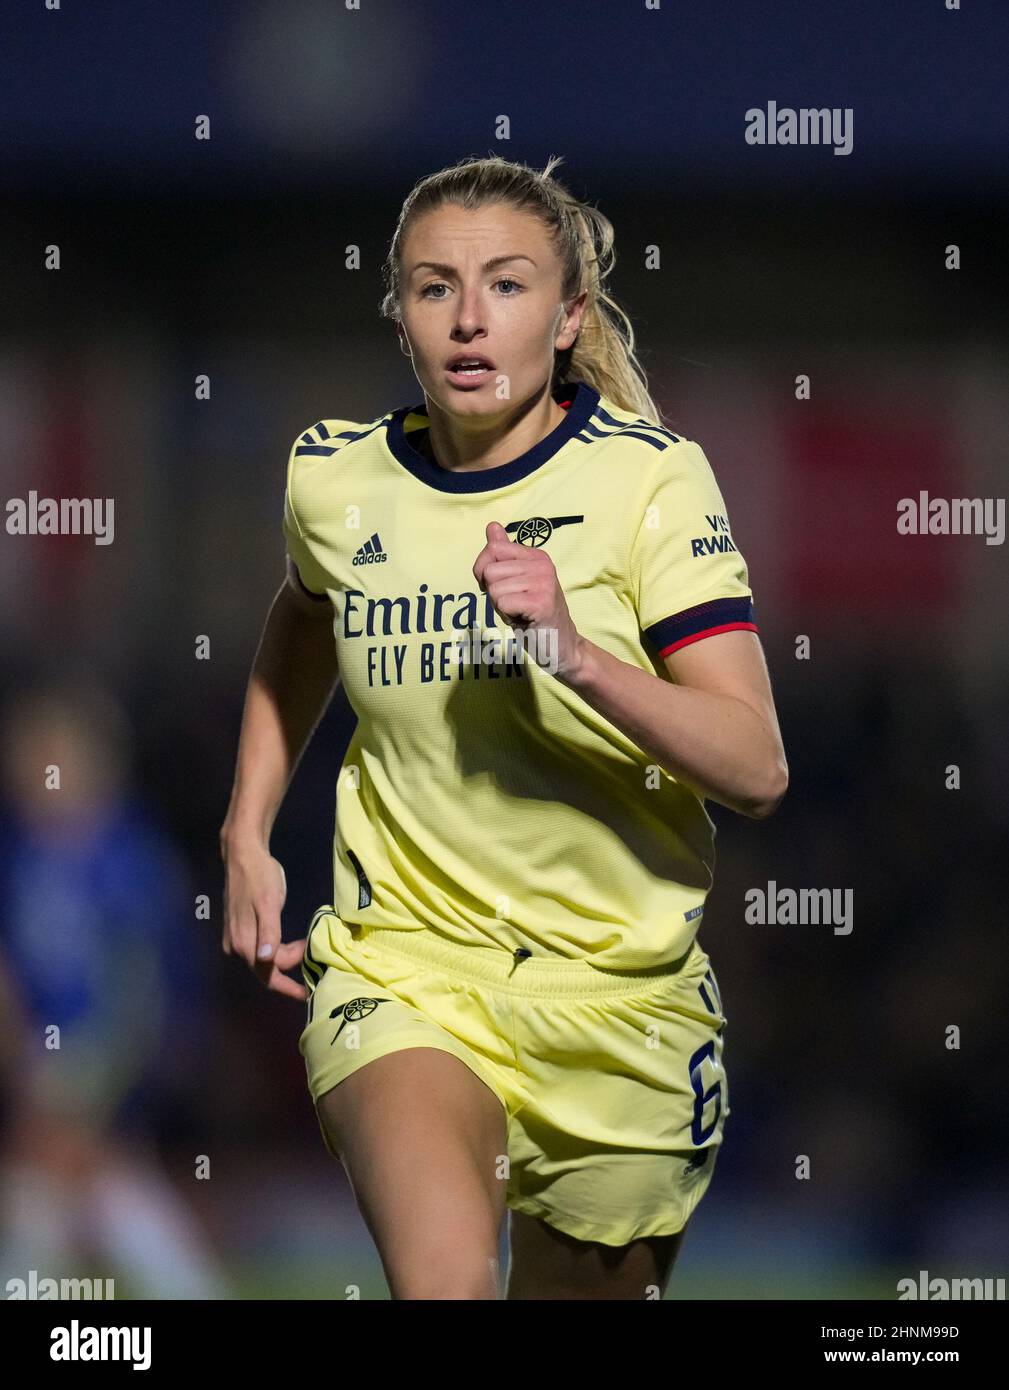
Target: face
{"type": "Point", "coordinates": [483, 283]}
{"type": "Point", "coordinates": [90, 769]}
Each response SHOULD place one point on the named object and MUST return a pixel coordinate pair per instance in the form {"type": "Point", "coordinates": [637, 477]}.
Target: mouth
{"type": "Point", "coordinates": [469, 369]}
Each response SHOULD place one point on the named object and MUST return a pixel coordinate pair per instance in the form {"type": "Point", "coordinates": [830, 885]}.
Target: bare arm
{"type": "Point", "coordinates": [712, 725]}
{"type": "Point", "coordinates": [291, 684]}
{"type": "Point", "coordinates": [715, 728]}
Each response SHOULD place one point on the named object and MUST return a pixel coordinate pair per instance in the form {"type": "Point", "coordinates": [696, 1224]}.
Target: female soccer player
{"type": "Point", "coordinates": [546, 632]}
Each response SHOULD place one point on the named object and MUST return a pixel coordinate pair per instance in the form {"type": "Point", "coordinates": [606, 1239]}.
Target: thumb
{"type": "Point", "coordinates": [290, 953]}
{"type": "Point", "coordinates": [493, 527]}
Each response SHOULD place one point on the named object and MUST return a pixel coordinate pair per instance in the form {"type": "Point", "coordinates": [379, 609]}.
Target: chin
{"type": "Point", "coordinates": [477, 400]}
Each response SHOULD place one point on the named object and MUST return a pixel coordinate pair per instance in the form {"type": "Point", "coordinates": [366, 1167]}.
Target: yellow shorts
{"type": "Point", "coordinates": [612, 1083]}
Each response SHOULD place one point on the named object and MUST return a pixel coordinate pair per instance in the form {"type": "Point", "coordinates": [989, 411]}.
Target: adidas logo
{"type": "Point", "coordinates": [371, 553]}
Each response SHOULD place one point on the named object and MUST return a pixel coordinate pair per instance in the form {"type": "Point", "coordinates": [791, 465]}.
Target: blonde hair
{"type": "Point", "coordinates": [603, 352]}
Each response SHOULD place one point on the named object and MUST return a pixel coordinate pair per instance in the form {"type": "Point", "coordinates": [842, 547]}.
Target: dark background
{"type": "Point", "coordinates": [227, 257]}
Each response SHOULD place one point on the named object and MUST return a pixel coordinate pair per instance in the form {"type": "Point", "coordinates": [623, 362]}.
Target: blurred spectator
{"type": "Point", "coordinates": [100, 1004]}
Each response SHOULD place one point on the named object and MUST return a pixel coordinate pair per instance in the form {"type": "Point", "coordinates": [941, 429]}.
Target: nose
{"type": "Point", "coordinates": [470, 315]}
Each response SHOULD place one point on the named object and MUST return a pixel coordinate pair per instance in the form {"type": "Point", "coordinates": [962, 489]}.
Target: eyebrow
{"type": "Point", "coordinates": [492, 264]}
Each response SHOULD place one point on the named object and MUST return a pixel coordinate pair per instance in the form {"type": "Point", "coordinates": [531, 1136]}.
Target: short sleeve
{"type": "Point", "coordinates": [310, 574]}
{"type": "Point", "coordinates": [688, 580]}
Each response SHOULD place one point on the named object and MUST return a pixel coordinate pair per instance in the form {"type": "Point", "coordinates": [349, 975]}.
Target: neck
{"type": "Point", "coordinates": [472, 445]}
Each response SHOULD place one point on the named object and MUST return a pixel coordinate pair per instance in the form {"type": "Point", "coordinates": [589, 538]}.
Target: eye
{"type": "Point", "coordinates": [425, 293]}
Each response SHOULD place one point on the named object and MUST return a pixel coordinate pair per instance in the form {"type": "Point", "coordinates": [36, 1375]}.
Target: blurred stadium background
{"type": "Point", "coordinates": [227, 257]}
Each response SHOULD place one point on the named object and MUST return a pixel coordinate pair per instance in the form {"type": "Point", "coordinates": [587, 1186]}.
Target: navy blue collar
{"type": "Point", "coordinates": [583, 401]}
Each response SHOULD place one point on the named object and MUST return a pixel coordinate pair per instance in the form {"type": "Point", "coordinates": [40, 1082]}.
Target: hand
{"type": "Point", "coordinates": [525, 591]}
{"type": "Point", "coordinates": [255, 890]}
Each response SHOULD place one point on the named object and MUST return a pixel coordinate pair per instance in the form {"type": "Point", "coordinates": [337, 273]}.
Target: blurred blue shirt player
{"type": "Point", "coordinates": [100, 1003]}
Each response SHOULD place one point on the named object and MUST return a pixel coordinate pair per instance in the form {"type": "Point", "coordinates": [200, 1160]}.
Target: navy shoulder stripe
{"type": "Point", "coordinates": [312, 448]}
{"type": "Point", "coordinates": [638, 424]}
{"type": "Point", "coordinates": [655, 435]}
{"type": "Point", "coordinates": [703, 620]}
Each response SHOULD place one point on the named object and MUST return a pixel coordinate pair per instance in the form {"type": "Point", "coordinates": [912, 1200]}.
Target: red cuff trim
{"type": "Point", "coordinates": [708, 632]}
{"type": "Point", "coordinates": [703, 620]}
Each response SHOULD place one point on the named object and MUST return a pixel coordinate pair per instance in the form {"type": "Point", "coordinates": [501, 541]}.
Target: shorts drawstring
{"type": "Point", "coordinates": [520, 953]}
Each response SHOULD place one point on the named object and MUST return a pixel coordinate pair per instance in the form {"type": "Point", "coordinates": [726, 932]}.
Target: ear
{"type": "Point", "coordinates": [573, 314]}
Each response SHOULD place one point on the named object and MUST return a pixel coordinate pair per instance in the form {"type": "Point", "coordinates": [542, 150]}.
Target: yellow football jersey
{"type": "Point", "coordinates": [482, 799]}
